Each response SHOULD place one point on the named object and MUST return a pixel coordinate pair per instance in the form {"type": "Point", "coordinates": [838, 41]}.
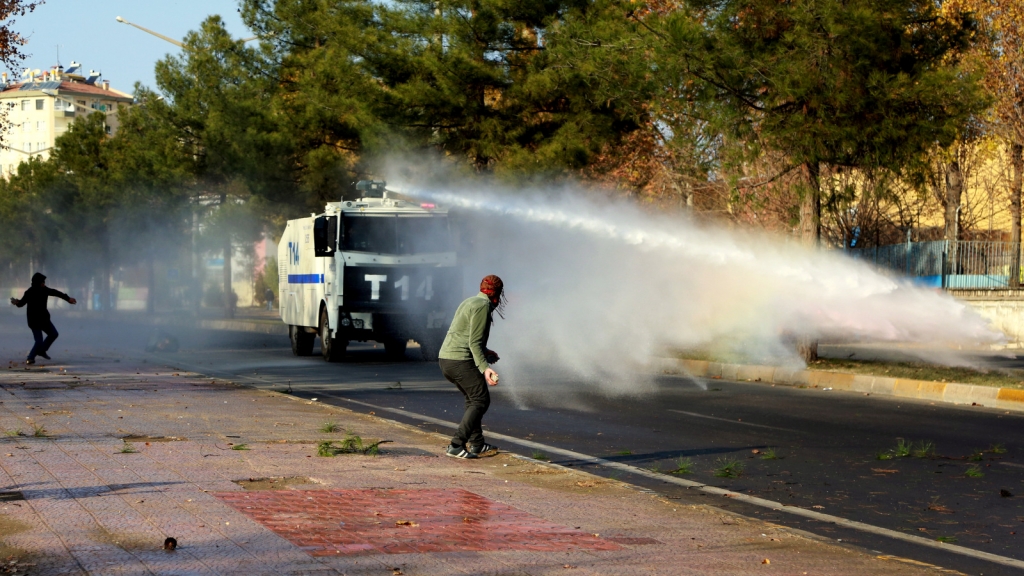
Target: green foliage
{"type": "Point", "coordinates": [127, 448]}
{"type": "Point", "coordinates": [351, 444]}
{"type": "Point", "coordinates": [728, 469]}
{"type": "Point", "coordinates": [329, 427]}
{"type": "Point", "coordinates": [683, 466]}
{"type": "Point", "coordinates": [974, 471]}
{"type": "Point", "coordinates": [769, 454]}
{"type": "Point", "coordinates": [240, 447]}
{"type": "Point", "coordinates": [923, 450]}
{"type": "Point", "coordinates": [537, 455]}
{"type": "Point", "coordinates": [39, 431]}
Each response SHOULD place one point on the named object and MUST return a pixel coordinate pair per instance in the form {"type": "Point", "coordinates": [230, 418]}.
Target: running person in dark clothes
{"type": "Point", "coordinates": [466, 362]}
{"type": "Point", "coordinates": [38, 316]}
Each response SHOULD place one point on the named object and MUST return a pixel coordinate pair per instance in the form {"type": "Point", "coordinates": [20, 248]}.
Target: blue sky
{"type": "Point", "coordinates": [87, 32]}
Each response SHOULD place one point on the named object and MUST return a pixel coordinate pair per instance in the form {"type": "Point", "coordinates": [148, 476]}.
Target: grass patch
{"type": "Point", "coordinates": [911, 370]}
{"type": "Point", "coordinates": [997, 449]}
{"type": "Point", "coordinates": [127, 448]}
{"type": "Point", "coordinates": [240, 447]}
{"type": "Point", "coordinates": [13, 433]}
{"type": "Point", "coordinates": [683, 466]}
{"type": "Point", "coordinates": [974, 472]}
{"type": "Point", "coordinates": [329, 427]}
{"type": "Point", "coordinates": [902, 448]}
{"type": "Point", "coordinates": [39, 431]}
{"type": "Point", "coordinates": [769, 454]}
{"type": "Point", "coordinates": [921, 371]}
{"type": "Point", "coordinates": [947, 539]}
{"type": "Point", "coordinates": [351, 444]}
{"type": "Point", "coordinates": [976, 455]}
{"type": "Point", "coordinates": [540, 456]}
{"type": "Point", "coordinates": [624, 453]}
{"type": "Point", "coordinates": [729, 469]}
{"type": "Point", "coordinates": [923, 450]}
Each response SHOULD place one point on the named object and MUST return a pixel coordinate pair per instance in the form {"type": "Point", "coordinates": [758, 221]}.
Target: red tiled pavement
{"type": "Point", "coordinates": [331, 522]}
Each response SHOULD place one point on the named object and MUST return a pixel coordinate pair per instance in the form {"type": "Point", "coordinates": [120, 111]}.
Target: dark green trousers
{"type": "Point", "coordinates": [465, 375]}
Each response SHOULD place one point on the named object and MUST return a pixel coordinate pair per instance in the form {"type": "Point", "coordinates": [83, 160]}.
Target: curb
{"type": "Point", "coordinates": [235, 325]}
{"type": "Point", "coordinates": [951, 393]}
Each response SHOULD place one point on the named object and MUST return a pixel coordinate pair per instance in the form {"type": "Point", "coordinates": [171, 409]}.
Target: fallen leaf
{"type": "Point", "coordinates": [940, 508]}
{"type": "Point", "coordinates": [818, 507]}
{"type": "Point", "coordinates": [884, 470]}
{"type": "Point", "coordinates": [755, 451]}
{"type": "Point", "coordinates": [1005, 493]}
{"type": "Point", "coordinates": [587, 484]}
{"type": "Point", "coordinates": [766, 561]}
{"type": "Point", "coordinates": [568, 566]}
{"type": "Point", "coordinates": [405, 523]}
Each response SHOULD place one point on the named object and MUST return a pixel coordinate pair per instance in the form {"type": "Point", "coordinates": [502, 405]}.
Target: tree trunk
{"type": "Point", "coordinates": [1017, 161]}
{"type": "Point", "coordinates": [810, 206]}
{"type": "Point", "coordinates": [108, 272]}
{"type": "Point", "coordinates": [151, 283]}
{"type": "Point", "coordinates": [810, 234]}
{"type": "Point", "coordinates": [954, 192]}
{"type": "Point", "coordinates": [229, 293]}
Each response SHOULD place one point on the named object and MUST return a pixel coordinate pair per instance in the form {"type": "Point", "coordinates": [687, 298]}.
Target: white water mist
{"type": "Point", "coordinates": [600, 289]}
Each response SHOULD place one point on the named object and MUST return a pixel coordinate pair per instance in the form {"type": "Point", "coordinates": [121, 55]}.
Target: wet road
{"type": "Point", "coordinates": [834, 452]}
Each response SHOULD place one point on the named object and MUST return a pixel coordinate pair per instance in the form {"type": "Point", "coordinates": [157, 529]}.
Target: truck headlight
{"type": "Point", "coordinates": [346, 322]}
{"type": "Point", "coordinates": [358, 324]}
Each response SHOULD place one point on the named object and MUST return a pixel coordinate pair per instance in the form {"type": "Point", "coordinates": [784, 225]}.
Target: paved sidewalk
{"type": "Point", "coordinates": [128, 454]}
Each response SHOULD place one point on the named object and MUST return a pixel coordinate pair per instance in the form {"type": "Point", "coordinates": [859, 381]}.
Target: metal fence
{"type": "Point", "coordinates": [957, 265]}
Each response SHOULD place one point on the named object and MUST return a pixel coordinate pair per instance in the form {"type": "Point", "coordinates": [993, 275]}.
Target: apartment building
{"type": "Point", "coordinates": [41, 105]}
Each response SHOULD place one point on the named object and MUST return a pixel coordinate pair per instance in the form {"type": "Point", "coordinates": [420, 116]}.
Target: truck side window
{"type": "Point", "coordinates": [324, 234]}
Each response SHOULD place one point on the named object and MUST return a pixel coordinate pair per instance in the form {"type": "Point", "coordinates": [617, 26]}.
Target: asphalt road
{"type": "Point", "coordinates": [810, 448]}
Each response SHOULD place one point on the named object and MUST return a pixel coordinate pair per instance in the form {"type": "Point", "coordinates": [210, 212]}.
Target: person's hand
{"type": "Point", "coordinates": [491, 356]}
{"type": "Point", "coordinates": [491, 376]}
{"type": "Point", "coordinates": [14, 300]}
{"type": "Point", "coordinates": [72, 301]}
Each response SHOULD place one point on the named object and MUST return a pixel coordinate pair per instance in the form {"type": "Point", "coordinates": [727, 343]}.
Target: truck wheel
{"type": "Point", "coordinates": [395, 349]}
{"type": "Point", "coordinates": [333, 349]}
{"type": "Point", "coordinates": [302, 341]}
{"type": "Point", "coordinates": [429, 349]}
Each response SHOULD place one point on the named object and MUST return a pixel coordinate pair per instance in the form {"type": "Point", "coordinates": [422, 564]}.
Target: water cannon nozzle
{"type": "Point", "coordinates": [371, 187]}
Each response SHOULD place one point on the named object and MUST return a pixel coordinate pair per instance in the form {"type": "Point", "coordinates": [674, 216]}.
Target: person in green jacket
{"type": "Point", "coordinates": [466, 362]}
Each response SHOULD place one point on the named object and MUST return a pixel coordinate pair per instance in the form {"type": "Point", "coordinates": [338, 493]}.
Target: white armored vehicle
{"type": "Point", "coordinates": [379, 268]}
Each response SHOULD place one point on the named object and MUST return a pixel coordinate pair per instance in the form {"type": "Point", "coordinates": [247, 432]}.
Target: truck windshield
{"type": "Point", "coordinates": [400, 235]}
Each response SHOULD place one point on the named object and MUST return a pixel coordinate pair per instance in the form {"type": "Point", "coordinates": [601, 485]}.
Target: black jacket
{"type": "Point", "coordinates": [36, 297]}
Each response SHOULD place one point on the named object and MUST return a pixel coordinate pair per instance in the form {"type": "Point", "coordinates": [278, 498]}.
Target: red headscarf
{"type": "Point", "coordinates": [494, 288]}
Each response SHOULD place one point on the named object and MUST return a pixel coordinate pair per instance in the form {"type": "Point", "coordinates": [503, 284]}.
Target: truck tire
{"type": "Point", "coordinates": [302, 341]}
{"type": "Point", "coordinates": [429, 349]}
{"type": "Point", "coordinates": [333, 349]}
{"type": "Point", "coordinates": [395, 349]}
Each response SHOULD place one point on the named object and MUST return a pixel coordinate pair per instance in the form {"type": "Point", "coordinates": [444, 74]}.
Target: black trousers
{"type": "Point", "coordinates": [41, 345]}
{"type": "Point", "coordinates": [465, 375]}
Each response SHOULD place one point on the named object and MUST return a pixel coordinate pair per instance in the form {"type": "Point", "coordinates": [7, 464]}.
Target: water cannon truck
{"type": "Point", "coordinates": [382, 268]}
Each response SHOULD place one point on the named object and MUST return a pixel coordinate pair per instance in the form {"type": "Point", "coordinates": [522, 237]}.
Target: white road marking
{"type": "Point", "coordinates": [764, 503]}
{"type": "Point", "coordinates": [732, 421]}
{"type": "Point", "coordinates": [1014, 464]}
